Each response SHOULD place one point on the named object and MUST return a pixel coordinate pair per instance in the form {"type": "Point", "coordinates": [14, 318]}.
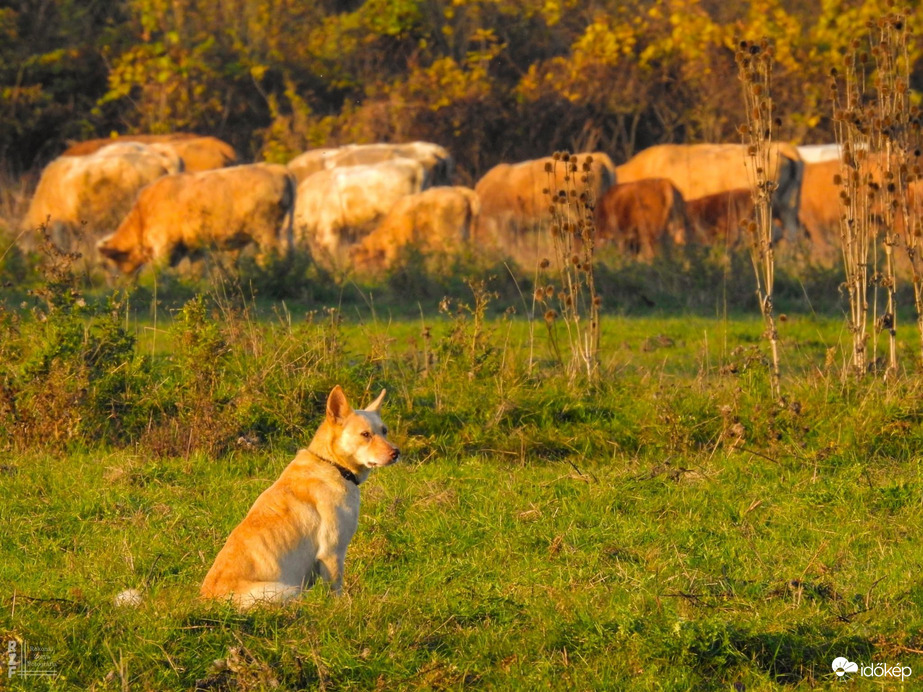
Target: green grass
{"type": "Point", "coordinates": [667, 529]}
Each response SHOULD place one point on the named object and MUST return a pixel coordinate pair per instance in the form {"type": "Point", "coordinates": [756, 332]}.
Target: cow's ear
{"type": "Point", "coordinates": [107, 248]}
{"type": "Point", "coordinates": [375, 405]}
{"type": "Point", "coordinates": [337, 407]}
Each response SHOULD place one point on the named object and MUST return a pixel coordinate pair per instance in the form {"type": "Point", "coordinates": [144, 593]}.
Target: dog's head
{"type": "Point", "coordinates": [359, 436]}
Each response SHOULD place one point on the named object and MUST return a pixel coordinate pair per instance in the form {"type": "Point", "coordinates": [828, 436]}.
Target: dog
{"type": "Point", "coordinates": [300, 527]}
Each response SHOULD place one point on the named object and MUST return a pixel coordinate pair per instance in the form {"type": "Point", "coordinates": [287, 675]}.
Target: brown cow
{"type": "Point", "coordinates": [90, 146]}
{"type": "Point", "coordinates": [516, 199]}
{"type": "Point", "coordinates": [644, 217]}
{"type": "Point", "coordinates": [437, 221]}
{"type": "Point", "coordinates": [187, 213]}
{"type": "Point", "coordinates": [198, 153]}
{"type": "Point", "coordinates": [90, 194]}
{"type": "Point", "coordinates": [706, 169]}
{"type": "Point", "coordinates": [204, 153]}
{"type": "Point", "coordinates": [716, 219]}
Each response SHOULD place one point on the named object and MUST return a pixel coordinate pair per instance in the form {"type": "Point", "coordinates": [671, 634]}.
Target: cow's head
{"type": "Point", "coordinates": [125, 248]}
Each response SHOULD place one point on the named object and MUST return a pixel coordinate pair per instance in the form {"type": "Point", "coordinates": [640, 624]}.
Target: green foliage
{"type": "Point", "coordinates": [493, 80]}
{"type": "Point", "coordinates": [71, 369]}
{"type": "Point", "coordinates": [665, 527]}
{"type": "Point", "coordinates": [51, 74]}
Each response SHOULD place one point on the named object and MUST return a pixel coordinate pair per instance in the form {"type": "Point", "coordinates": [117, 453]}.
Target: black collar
{"type": "Point", "coordinates": [345, 472]}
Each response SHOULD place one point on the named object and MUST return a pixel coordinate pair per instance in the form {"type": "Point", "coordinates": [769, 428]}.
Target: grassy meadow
{"type": "Point", "coordinates": [668, 527]}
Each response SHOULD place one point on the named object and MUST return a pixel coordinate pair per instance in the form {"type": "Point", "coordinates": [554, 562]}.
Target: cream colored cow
{"type": "Point", "coordinates": [335, 208]}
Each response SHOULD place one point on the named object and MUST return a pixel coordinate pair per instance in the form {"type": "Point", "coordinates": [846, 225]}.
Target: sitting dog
{"type": "Point", "coordinates": [300, 527]}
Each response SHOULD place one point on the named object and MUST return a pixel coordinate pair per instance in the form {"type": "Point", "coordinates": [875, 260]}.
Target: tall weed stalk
{"type": "Point", "coordinates": [754, 64]}
{"type": "Point", "coordinates": [573, 233]}
{"type": "Point", "coordinates": [856, 228]}
{"type": "Point", "coordinates": [901, 141]}
{"type": "Point", "coordinates": [875, 126]}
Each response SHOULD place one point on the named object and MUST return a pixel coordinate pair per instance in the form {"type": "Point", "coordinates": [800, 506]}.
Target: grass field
{"type": "Point", "coordinates": [667, 528]}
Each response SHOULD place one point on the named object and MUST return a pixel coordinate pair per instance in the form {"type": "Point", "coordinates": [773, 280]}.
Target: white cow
{"type": "Point", "coordinates": [437, 162]}
{"type": "Point", "coordinates": [818, 153]}
{"type": "Point", "coordinates": [337, 207]}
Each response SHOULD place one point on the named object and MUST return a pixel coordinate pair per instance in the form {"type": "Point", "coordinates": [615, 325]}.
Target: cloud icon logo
{"type": "Point", "coordinates": [841, 666]}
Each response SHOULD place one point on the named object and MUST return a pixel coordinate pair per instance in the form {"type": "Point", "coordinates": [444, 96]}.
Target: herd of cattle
{"type": "Point", "coordinates": [159, 198]}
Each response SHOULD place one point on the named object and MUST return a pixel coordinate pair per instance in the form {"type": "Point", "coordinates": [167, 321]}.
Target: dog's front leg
{"type": "Point", "coordinates": [330, 568]}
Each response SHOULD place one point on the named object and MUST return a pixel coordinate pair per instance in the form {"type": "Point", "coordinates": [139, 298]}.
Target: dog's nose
{"type": "Point", "coordinates": [395, 453]}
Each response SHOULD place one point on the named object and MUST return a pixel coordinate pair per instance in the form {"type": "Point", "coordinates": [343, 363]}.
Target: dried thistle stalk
{"type": "Point", "coordinates": [754, 66]}
{"type": "Point", "coordinates": [573, 234]}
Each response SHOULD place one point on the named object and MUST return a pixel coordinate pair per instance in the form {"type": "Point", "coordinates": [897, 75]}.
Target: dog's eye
{"type": "Point", "coordinates": [366, 434]}
{"type": "Point", "coordinates": [384, 431]}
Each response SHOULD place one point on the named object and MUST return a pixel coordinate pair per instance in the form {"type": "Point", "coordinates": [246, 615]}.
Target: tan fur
{"type": "Point", "coordinates": [514, 201]}
{"type": "Point", "coordinates": [717, 218]}
{"type": "Point", "coordinates": [821, 209]}
{"type": "Point", "coordinates": [91, 145]}
{"type": "Point", "coordinates": [197, 152]}
{"type": "Point", "coordinates": [184, 214]}
{"type": "Point", "coordinates": [93, 192]}
{"type": "Point", "coordinates": [301, 526]}
{"type": "Point", "coordinates": [203, 153]}
{"type": "Point", "coordinates": [644, 217]}
{"type": "Point", "coordinates": [310, 162]}
{"type": "Point", "coordinates": [438, 165]}
{"type": "Point", "coordinates": [707, 169]}
{"type": "Point", "coordinates": [436, 221]}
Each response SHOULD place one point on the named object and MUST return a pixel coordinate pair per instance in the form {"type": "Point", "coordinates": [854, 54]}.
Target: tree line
{"type": "Point", "coordinates": [490, 79]}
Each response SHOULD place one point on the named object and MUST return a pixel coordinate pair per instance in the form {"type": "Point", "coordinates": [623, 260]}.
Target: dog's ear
{"type": "Point", "coordinates": [337, 407]}
{"type": "Point", "coordinates": [375, 405]}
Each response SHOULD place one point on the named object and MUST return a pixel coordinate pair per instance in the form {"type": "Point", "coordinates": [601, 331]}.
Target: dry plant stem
{"type": "Point", "coordinates": [880, 136]}
{"type": "Point", "coordinates": [912, 213]}
{"type": "Point", "coordinates": [901, 137]}
{"type": "Point", "coordinates": [573, 241]}
{"type": "Point", "coordinates": [892, 86]}
{"type": "Point", "coordinates": [856, 231]}
{"type": "Point", "coordinates": [754, 63]}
